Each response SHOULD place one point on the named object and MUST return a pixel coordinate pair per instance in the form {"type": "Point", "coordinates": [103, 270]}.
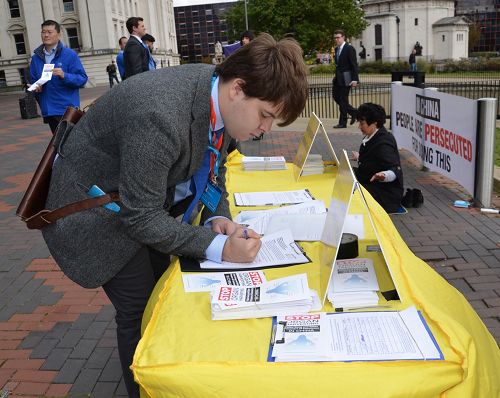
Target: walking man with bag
{"type": "Point", "coordinates": [346, 76]}
{"type": "Point", "coordinates": [111, 70]}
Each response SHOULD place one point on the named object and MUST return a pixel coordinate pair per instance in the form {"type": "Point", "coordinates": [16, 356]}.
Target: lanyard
{"type": "Point", "coordinates": [214, 142]}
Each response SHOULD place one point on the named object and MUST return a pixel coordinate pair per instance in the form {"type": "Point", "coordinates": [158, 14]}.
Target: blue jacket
{"type": "Point", "coordinates": [120, 64]}
{"type": "Point", "coordinates": [59, 93]}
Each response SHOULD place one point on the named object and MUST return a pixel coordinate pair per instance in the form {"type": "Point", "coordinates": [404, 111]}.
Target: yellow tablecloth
{"type": "Point", "coordinates": [183, 353]}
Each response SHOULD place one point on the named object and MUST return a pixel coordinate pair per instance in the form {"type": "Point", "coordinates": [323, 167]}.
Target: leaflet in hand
{"type": "Point", "coordinates": [46, 76]}
{"type": "Point", "coordinates": [279, 296]}
{"type": "Point", "coordinates": [355, 336]}
{"type": "Point", "coordinates": [354, 284]}
{"type": "Point", "coordinates": [206, 282]}
{"type": "Point", "coordinates": [277, 249]}
{"type": "Point", "coordinates": [261, 163]}
{"type": "Point", "coordinates": [277, 198]}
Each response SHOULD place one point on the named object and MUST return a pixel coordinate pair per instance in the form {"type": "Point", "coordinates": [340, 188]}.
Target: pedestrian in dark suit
{"type": "Point", "coordinates": [346, 76]}
{"type": "Point", "coordinates": [158, 155]}
{"type": "Point", "coordinates": [135, 55]}
{"type": "Point", "coordinates": [379, 167]}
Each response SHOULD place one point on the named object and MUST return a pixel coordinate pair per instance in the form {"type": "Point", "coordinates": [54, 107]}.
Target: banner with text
{"type": "Point", "coordinates": [438, 128]}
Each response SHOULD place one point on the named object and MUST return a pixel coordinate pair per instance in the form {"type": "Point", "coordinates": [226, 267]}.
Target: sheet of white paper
{"type": "Point", "coordinates": [277, 249]}
{"type": "Point", "coordinates": [205, 282]}
{"type": "Point", "coordinates": [258, 219]}
{"type": "Point", "coordinates": [304, 227]}
{"type": "Point", "coordinates": [354, 224]}
{"type": "Point", "coordinates": [46, 76]}
{"type": "Point", "coordinates": [375, 336]}
{"type": "Point", "coordinates": [272, 198]}
{"type": "Point", "coordinates": [420, 334]}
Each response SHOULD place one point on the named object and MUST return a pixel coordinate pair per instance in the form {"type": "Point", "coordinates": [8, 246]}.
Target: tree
{"type": "Point", "coordinates": [474, 35]}
{"type": "Point", "coordinates": [311, 23]}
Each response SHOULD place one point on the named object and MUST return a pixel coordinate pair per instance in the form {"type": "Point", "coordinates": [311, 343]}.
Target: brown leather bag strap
{"type": "Point", "coordinates": [47, 217]}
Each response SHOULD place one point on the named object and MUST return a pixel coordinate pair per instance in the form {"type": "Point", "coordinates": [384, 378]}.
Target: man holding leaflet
{"type": "Point", "coordinates": [163, 156]}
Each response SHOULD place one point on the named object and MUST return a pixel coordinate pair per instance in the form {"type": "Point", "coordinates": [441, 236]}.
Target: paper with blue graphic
{"type": "Point", "coordinates": [355, 336]}
{"type": "Point", "coordinates": [276, 297]}
{"type": "Point", "coordinates": [206, 282]}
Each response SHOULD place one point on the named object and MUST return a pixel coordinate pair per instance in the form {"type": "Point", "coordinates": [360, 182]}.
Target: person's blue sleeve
{"type": "Point", "coordinates": [76, 76]}
{"type": "Point", "coordinates": [214, 251]}
{"type": "Point", "coordinates": [389, 176]}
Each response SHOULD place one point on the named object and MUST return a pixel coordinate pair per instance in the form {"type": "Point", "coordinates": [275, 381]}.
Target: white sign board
{"type": "Point", "coordinates": [439, 129]}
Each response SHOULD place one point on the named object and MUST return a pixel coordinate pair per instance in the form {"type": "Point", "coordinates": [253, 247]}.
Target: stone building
{"type": "Point", "coordinates": [397, 25]}
{"type": "Point", "coordinates": [90, 27]}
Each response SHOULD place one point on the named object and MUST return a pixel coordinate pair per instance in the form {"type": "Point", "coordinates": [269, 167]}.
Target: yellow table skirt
{"type": "Point", "coordinates": [183, 353]}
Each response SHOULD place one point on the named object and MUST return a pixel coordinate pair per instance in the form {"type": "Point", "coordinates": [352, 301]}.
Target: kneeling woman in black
{"type": "Point", "coordinates": [379, 167]}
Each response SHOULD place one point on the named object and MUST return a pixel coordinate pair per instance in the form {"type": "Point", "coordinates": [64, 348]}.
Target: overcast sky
{"type": "Point", "coordinates": [180, 3]}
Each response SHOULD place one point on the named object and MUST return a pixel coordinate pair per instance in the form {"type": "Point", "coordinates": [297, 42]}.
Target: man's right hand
{"type": "Point", "coordinates": [241, 248]}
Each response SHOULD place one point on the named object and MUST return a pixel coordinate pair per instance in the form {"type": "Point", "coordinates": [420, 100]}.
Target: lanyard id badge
{"type": "Point", "coordinates": [211, 196]}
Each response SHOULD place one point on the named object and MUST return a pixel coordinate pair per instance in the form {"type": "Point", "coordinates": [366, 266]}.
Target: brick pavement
{"type": "Point", "coordinates": [58, 339]}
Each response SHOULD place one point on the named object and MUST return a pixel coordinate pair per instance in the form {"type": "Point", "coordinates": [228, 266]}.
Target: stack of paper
{"type": "Point", "coordinates": [305, 220]}
{"type": "Point", "coordinates": [314, 165]}
{"type": "Point", "coordinates": [205, 282]}
{"type": "Point", "coordinates": [356, 336]}
{"type": "Point", "coordinates": [354, 284]}
{"type": "Point", "coordinates": [260, 163]}
{"type": "Point", "coordinates": [278, 297]}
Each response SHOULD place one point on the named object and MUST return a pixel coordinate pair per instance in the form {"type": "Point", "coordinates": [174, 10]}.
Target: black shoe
{"type": "Point", "coordinates": [354, 116]}
{"type": "Point", "coordinates": [418, 198]}
{"type": "Point", "coordinates": [407, 200]}
{"type": "Point", "coordinates": [340, 126]}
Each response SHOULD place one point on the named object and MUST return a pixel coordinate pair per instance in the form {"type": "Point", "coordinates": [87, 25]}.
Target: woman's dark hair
{"type": "Point", "coordinates": [371, 113]}
{"type": "Point", "coordinates": [246, 33]}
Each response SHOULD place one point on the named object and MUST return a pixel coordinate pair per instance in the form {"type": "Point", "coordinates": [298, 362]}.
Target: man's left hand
{"type": "Point", "coordinates": [354, 84]}
{"type": "Point", "coordinates": [224, 226]}
{"type": "Point", "coordinates": [58, 72]}
{"type": "Point", "coordinates": [380, 176]}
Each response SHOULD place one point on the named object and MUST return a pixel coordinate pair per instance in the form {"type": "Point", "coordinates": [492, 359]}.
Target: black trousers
{"type": "Point", "coordinates": [111, 78]}
{"type": "Point", "coordinates": [129, 291]}
{"type": "Point", "coordinates": [53, 122]}
{"type": "Point", "coordinates": [341, 97]}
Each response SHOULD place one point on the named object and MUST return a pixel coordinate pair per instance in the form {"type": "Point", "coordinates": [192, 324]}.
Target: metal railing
{"type": "Point", "coordinates": [377, 89]}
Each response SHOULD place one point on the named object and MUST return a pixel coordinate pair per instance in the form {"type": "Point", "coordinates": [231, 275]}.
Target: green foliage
{"type": "Point", "coordinates": [484, 54]}
{"type": "Point", "coordinates": [450, 66]}
{"type": "Point", "coordinates": [326, 68]}
{"type": "Point", "coordinates": [311, 23]}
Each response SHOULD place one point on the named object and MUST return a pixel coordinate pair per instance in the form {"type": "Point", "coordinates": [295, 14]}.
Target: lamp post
{"type": "Point", "coordinates": [246, 16]}
{"type": "Point", "coordinates": [397, 24]}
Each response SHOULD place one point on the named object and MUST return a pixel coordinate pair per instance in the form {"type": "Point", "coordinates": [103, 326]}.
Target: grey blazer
{"type": "Point", "coordinates": [142, 138]}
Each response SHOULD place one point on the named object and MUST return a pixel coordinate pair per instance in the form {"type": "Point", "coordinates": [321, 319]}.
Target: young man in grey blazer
{"type": "Point", "coordinates": [149, 140]}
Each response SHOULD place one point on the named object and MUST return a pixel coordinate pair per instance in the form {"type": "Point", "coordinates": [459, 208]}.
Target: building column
{"type": "Point", "coordinates": [85, 32]}
{"type": "Point", "coordinates": [48, 10]}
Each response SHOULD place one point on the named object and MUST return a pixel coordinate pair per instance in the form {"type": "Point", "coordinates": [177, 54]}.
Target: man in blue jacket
{"type": "Point", "coordinates": [67, 77]}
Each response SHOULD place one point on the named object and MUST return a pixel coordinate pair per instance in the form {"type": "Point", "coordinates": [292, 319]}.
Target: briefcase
{"type": "Point", "coordinates": [32, 207]}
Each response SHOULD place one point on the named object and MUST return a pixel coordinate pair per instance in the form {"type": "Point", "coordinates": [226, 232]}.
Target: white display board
{"type": "Point", "coordinates": [439, 129]}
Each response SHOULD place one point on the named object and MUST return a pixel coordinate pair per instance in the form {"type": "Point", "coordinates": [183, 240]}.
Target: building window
{"type": "Point", "coordinates": [14, 9]}
{"type": "Point", "coordinates": [378, 35]}
{"type": "Point", "coordinates": [442, 37]}
{"type": "Point", "coordinates": [460, 37]}
{"type": "Point", "coordinates": [68, 6]}
{"type": "Point", "coordinates": [20, 47]}
{"type": "Point", "coordinates": [416, 21]}
{"type": "Point", "coordinates": [3, 81]}
{"type": "Point", "coordinates": [208, 11]}
{"type": "Point", "coordinates": [73, 38]}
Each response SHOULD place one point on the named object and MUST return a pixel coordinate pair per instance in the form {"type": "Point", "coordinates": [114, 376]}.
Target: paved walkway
{"type": "Point", "coordinates": [58, 339]}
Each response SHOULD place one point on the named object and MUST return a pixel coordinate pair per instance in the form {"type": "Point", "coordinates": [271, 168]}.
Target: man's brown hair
{"type": "Point", "coordinates": [272, 71]}
{"type": "Point", "coordinates": [339, 32]}
{"type": "Point", "coordinates": [133, 22]}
